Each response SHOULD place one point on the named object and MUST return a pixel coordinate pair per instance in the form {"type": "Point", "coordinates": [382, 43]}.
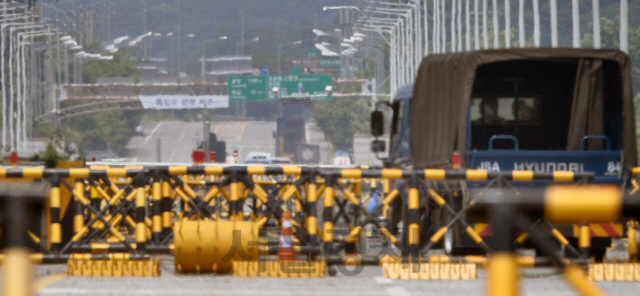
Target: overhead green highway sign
{"type": "Point", "coordinates": [291, 87]}
{"type": "Point", "coordinates": [247, 88]}
{"type": "Point", "coordinates": [287, 87]}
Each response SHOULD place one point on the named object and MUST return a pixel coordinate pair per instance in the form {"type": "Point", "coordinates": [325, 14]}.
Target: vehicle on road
{"type": "Point", "coordinates": [139, 131]}
{"type": "Point", "coordinates": [289, 132]}
{"type": "Point", "coordinates": [541, 110]}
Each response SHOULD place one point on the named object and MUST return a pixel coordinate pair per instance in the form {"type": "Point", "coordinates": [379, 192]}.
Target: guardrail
{"type": "Point", "coordinates": [108, 200]}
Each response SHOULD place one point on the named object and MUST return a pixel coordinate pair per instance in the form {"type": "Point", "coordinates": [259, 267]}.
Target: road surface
{"type": "Point", "coordinates": [539, 281]}
{"type": "Point", "coordinates": [179, 138]}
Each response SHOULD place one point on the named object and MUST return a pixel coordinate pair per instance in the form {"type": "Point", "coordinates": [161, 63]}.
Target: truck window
{"type": "Point", "coordinates": [532, 100]}
{"type": "Point", "coordinates": [504, 111]}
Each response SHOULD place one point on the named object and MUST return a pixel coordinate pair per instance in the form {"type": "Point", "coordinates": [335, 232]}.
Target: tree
{"type": "Point", "coordinates": [341, 118]}
{"type": "Point", "coordinates": [100, 131]}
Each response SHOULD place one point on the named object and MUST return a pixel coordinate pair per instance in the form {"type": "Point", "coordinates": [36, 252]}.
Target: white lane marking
{"type": "Point", "coordinates": [152, 132]}
{"type": "Point", "coordinates": [147, 140]}
{"type": "Point", "coordinates": [175, 147]}
{"type": "Point", "coordinates": [397, 291]}
{"type": "Point", "coordinates": [306, 132]}
{"type": "Point", "coordinates": [382, 281]}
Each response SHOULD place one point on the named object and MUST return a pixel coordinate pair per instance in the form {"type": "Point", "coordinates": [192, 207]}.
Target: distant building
{"type": "Point", "coordinates": [221, 67]}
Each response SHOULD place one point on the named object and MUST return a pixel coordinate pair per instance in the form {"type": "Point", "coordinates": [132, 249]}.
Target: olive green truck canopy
{"type": "Point", "coordinates": [445, 84]}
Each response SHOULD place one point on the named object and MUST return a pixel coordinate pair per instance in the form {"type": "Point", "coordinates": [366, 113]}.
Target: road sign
{"type": "Point", "coordinates": [333, 71]}
{"type": "Point", "coordinates": [330, 62]}
{"type": "Point", "coordinates": [312, 87]}
{"type": "Point", "coordinates": [265, 71]}
{"type": "Point", "coordinates": [247, 88]}
{"type": "Point", "coordinates": [305, 63]}
{"type": "Point", "coordinates": [256, 71]}
{"type": "Point", "coordinates": [313, 53]}
{"type": "Point", "coordinates": [184, 102]}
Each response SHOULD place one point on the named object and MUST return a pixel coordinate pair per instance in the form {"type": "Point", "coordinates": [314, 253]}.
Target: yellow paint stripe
{"type": "Point", "coordinates": [35, 173]}
{"type": "Point", "coordinates": [479, 227]}
{"type": "Point", "coordinates": [116, 172]}
{"type": "Point", "coordinates": [291, 170]}
{"type": "Point", "coordinates": [242, 131]}
{"type": "Point", "coordinates": [559, 237]}
{"type": "Point", "coordinates": [476, 175]}
{"type": "Point", "coordinates": [438, 235]}
{"type": "Point", "coordinates": [413, 235]}
{"type": "Point", "coordinates": [562, 176]}
{"type": "Point", "coordinates": [177, 170]}
{"type": "Point", "coordinates": [256, 170]}
{"type": "Point", "coordinates": [436, 197]}
{"type": "Point", "coordinates": [432, 174]}
{"type": "Point", "coordinates": [79, 173]}
{"type": "Point", "coordinates": [48, 281]}
{"type": "Point", "coordinates": [217, 128]}
{"type": "Point", "coordinates": [522, 175]}
{"type": "Point", "coordinates": [216, 170]}
{"type": "Point", "coordinates": [391, 196]}
{"type": "Point", "coordinates": [351, 173]}
{"type": "Point", "coordinates": [391, 173]}
{"type": "Point", "coordinates": [597, 229]}
{"type": "Point", "coordinates": [3, 173]}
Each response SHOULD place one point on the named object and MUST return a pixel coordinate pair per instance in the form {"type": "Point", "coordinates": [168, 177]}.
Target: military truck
{"type": "Point", "coordinates": [289, 132]}
{"type": "Point", "coordinates": [542, 110]}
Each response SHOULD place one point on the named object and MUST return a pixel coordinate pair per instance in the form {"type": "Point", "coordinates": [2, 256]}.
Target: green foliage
{"type": "Point", "coordinates": [341, 118]}
{"type": "Point", "coordinates": [100, 131]}
{"type": "Point", "coordinates": [51, 151]}
{"type": "Point", "coordinates": [119, 66]}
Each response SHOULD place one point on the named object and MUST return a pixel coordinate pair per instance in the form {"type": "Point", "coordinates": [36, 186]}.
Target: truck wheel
{"type": "Point", "coordinates": [598, 254]}
{"type": "Point", "coordinates": [332, 270]}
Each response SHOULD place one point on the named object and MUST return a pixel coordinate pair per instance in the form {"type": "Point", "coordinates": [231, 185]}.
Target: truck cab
{"type": "Point", "coordinates": [560, 113]}
{"type": "Point", "coordinates": [540, 110]}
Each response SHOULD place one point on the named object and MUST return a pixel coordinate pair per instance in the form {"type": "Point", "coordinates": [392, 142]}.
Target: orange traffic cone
{"type": "Point", "coordinates": [285, 250]}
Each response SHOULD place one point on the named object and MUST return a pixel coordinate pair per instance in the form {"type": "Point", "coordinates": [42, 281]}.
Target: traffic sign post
{"type": "Point", "coordinates": [247, 88]}
{"type": "Point", "coordinates": [291, 87]}
{"type": "Point", "coordinates": [288, 87]}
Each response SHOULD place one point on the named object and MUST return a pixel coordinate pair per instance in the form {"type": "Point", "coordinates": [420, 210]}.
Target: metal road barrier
{"type": "Point", "coordinates": [20, 206]}
{"type": "Point", "coordinates": [558, 204]}
{"type": "Point", "coordinates": [98, 215]}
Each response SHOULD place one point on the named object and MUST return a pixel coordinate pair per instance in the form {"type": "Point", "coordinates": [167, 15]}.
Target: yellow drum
{"type": "Point", "coordinates": [211, 246]}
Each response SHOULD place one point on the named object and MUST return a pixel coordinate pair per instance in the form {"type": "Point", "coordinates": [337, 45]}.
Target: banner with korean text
{"type": "Point", "coordinates": [184, 102]}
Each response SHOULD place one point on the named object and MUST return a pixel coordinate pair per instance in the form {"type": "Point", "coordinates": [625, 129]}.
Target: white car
{"type": "Point", "coordinates": [258, 155]}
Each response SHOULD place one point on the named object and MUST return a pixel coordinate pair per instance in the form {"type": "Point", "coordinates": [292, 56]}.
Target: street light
{"type": "Point", "coordinates": [280, 48]}
{"type": "Point", "coordinates": [343, 7]}
{"type": "Point", "coordinates": [204, 45]}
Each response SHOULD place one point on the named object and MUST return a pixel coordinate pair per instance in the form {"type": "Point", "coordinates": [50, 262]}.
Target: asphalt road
{"type": "Point", "coordinates": [539, 281]}
{"type": "Point", "coordinates": [178, 139]}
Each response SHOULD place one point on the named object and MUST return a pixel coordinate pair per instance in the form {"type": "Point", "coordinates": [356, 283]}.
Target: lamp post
{"type": "Point", "coordinates": [343, 7]}
{"type": "Point", "coordinates": [21, 128]}
{"type": "Point", "coordinates": [171, 41]}
{"type": "Point", "coordinates": [203, 59]}
{"type": "Point", "coordinates": [280, 48]}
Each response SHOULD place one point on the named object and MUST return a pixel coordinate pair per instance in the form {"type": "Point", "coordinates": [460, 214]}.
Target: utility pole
{"type": "Point", "coordinates": [179, 25]}
{"type": "Point", "coordinates": [242, 38]}
{"type": "Point", "coordinates": [109, 24]}
{"type": "Point", "coordinates": [205, 132]}
{"type": "Point", "coordinates": [52, 88]}
{"type": "Point", "coordinates": [90, 13]}
{"type": "Point", "coordinates": [144, 25]}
